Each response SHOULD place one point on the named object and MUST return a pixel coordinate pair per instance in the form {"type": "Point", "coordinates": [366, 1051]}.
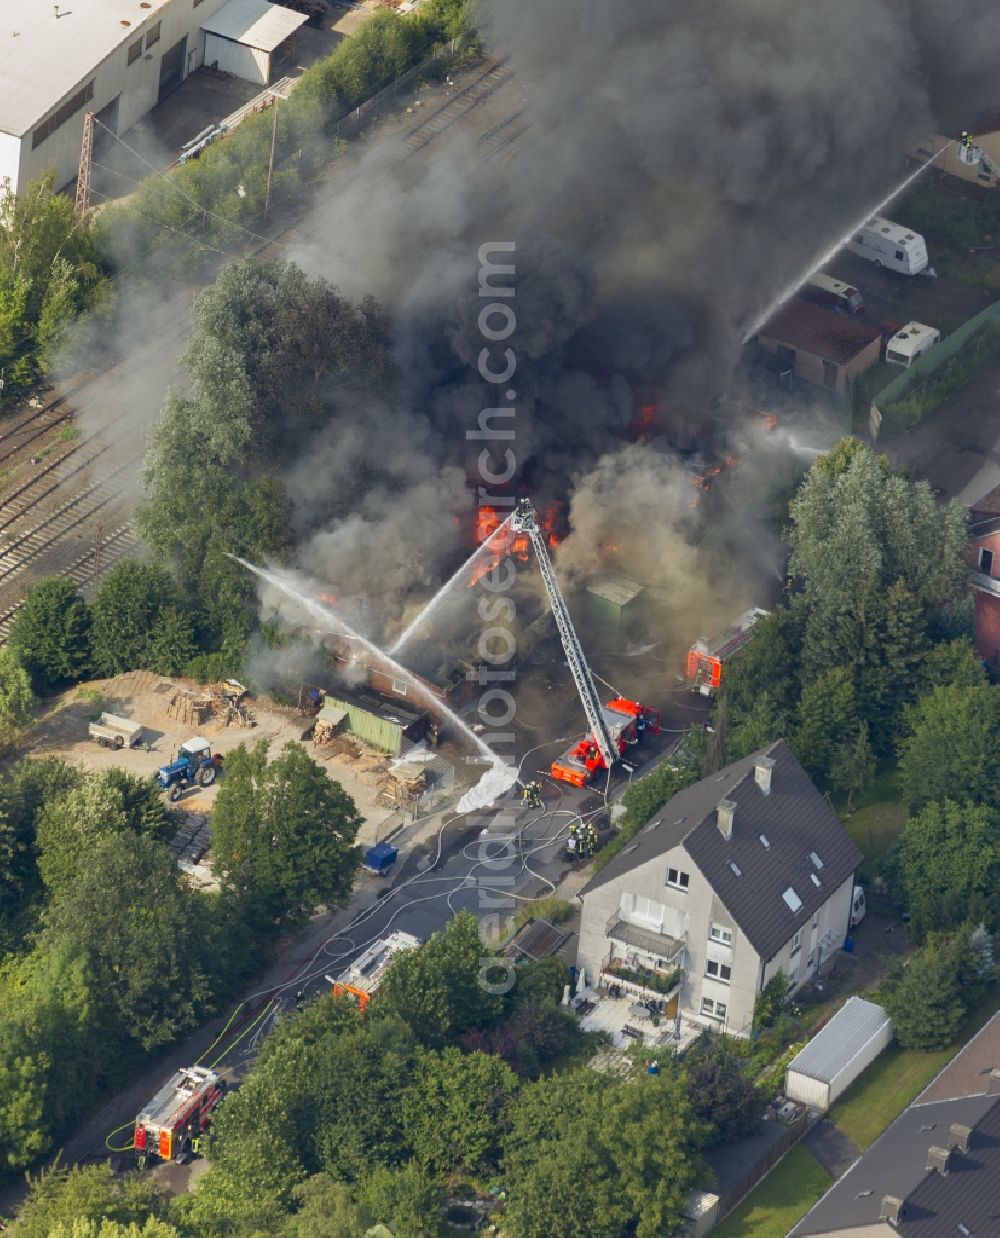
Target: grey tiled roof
{"type": "Point", "coordinates": [896, 1164]}
{"type": "Point", "coordinates": [796, 821]}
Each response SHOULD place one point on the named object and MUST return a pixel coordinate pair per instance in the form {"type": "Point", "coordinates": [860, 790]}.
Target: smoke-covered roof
{"type": "Point", "coordinates": [832, 337]}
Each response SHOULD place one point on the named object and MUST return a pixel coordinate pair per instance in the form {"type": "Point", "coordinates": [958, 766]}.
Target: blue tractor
{"type": "Point", "coordinates": [195, 765]}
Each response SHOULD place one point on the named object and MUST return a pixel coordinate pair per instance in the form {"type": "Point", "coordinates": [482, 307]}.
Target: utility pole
{"type": "Point", "coordinates": [270, 162]}
{"type": "Point", "coordinates": [83, 175]}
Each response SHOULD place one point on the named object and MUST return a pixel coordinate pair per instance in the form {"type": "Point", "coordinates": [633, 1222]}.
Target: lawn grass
{"type": "Point", "coordinates": [875, 822]}
{"type": "Point", "coordinates": [784, 1197]}
{"type": "Point", "coordinates": [895, 1078]}
{"type": "Point", "coordinates": [884, 1091]}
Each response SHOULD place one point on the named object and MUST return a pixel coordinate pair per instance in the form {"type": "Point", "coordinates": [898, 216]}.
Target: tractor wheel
{"type": "Point", "coordinates": [175, 793]}
{"type": "Point", "coordinates": [206, 775]}
{"type": "Point", "coordinates": [119, 741]}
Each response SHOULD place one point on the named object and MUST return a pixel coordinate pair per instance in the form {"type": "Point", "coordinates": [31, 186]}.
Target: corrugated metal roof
{"type": "Point", "coordinates": [44, 58]}
{"type": "Point", "coordinates": [826, 1055]}
{"type": "Point", "coordinates": [254, 23]}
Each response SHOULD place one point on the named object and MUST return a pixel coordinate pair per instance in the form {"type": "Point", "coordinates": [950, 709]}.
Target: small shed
{"type": "Point", "coordinates": [613, 603]}
{"type": "Point", "coordinates": [834, 1058]}
{"type": "Point", "coordinates": [244, 35]}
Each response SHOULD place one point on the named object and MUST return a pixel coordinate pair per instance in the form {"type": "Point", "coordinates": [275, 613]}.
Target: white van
{"type": "Point", "coordinates": [857, 907]}
{"type": "Point", "coordinates": [890, 245]}
{"type": "Point", "coordinates": [910, 342]}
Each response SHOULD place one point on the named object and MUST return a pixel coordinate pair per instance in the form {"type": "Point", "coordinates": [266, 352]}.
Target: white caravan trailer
{"type": "Point", "coordinates": [891, 246]}
{"type": "Point", "coordinates": [910, 343]}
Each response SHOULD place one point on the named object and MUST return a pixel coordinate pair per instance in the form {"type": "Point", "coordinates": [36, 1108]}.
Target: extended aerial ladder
{"type": "Point", "coordinates": [523, 520]}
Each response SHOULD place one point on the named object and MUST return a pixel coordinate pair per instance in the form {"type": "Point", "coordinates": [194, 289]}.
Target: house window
{"type": "Point", "coordinates": [718, 971]}
{"type": "Point", "coordinates": [677, 879]}
{"type": "Point", "coordinates": [398, 687]}
{"type": "Point", "coordinates": [715, 1010]}
{"type": "Point", "coordinates": [722, 935]}
{"type": "Point", "coordinates": [796, 943]}
{"type": "Point", "coordinates": [899, 255]}
{"type": "Point", "coordinates": [134, 51]}
{"type": "Point", "coordinates": [720, 1010]}
{"type": "Point", "coordinates": [152, 36]}
{"type": "Point", "coordinates": [61, 115]}
{"type": "Point", "coordinates": [986, 561]}
{"type": "Point", "coordinates": [811, 959]}
{"type": "Point", "coordinates": [815, 919]}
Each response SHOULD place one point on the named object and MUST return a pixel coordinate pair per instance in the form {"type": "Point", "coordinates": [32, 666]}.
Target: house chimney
{"type": "Point", "coordinates": [726, 810]}
{"type": "Point", "coordinates": [993, 1083]}
{"type": "Point", "coordinates": [891, 1210]}
{"type": "Point", "coordinates": [959, 1136]}
{"type": "Point", "coordinates": [762, 773]}
{"type": "Point", "coordinates": [939, 1159]}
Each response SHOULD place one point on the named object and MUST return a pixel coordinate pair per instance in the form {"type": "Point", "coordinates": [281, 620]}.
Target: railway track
{"type": "Point", "coordinates": [495, 74]}
{"type": "Point", "coordinates": [55, 521]}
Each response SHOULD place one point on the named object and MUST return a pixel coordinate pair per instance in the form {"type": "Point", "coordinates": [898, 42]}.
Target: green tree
{"type": "Point", "coordinates": [852, 767]}
{"type": "Point", "coordinates": [16, 698]}
{"type": "Point", "coordinates": [438, 990]}
{"type": "Point", "coordinates": [152, 973]}
{"type": "Point", "coordinates": [953, 662]}
{"type": "Point", "coordinates": [723, 1095]}
{"type": "Point", "coordinates": [926, 1002]}
{"type": "Point", "coordinates": [71, 825]}
{"type": "Point", "coordinates": [50, 634]}
{"type": "Point", "coordinates": [172, 641]}
{"type": "Point", "coordinates": [325, 1208]}
{"type": "Point", "coordinates": [587, 1155]}
{"type": "Point", "coordinates": [953, 748]}
{"type": "Point", "coordinates": [48, 273]}
{"type": "Point", "coordinates": [826, 717]}
{"type": "Point", "coordinates": [125, 613]}
{"type": "Point", "coordinates": [454, 1111]}
{"type": "Point", "coordinates": [60, 1197]}
{"type": "Point", "coordinates": [406, 1199]}
{"type": "Point", "coordinates": [283, 834]}
{"type": "Point", "coordinates": [948, 863]}
{"type": "Point", "coordinates": [28, 786]}
{"type": "Point", "coordinates": [770, 1002]}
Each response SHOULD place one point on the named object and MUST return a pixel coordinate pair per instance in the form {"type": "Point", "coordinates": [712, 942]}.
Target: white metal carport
{"type": "Point", "coordinates": [834, 1058]}
{"type": "Point", "coordinates": [243, 35]}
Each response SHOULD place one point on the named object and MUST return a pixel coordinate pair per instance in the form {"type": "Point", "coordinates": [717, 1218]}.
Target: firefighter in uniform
{"type": "Point", "coordinates": [573, 841]}
{"type": "Point", "coordinates": [531, 795]}
{"type": "Point", "coordinates": [966, 138]}
{"type": "Point", "coordinates": [640, 723]}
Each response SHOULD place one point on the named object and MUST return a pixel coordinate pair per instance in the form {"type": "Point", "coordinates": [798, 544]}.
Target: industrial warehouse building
{"type": "Point", "coordinates": [834, 1058]}
{"type": "Point", "coordinates": [819, 346]}
{"type": "Point", "coordinates": [118, 59]}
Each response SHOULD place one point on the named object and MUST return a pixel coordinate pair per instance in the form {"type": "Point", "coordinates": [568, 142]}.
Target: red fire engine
{"type": "Point", "coordinates": [626, 722]}
{"type": "Point", "coordinates": [709, 654]}
{"type": "Point", "coordinates": [178, 1113]}
{"type": "Point", "coordinates": [362, 979]}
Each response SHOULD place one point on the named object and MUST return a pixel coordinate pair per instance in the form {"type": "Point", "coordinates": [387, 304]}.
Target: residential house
{"type": "Point", "coordinates": [935, 1173]}
{"type": "Point", "coordinates": [819, 346]}
{"type": "Point", "coordinates": [742, 874]}
{"type": "Point", "coordinates": [984, 574]}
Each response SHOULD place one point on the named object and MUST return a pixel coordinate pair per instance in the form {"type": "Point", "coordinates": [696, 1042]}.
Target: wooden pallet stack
{"type": "Point", "coordinates": [192, 710]}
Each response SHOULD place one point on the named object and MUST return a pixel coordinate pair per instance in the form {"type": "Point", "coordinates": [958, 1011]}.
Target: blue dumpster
{"type": "Point", "coordinates": [380, 858]}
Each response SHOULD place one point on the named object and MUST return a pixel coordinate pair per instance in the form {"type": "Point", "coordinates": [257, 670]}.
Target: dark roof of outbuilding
{"type": "Point", "coordinates": [751, 877]}
{"type": "Point", "coordinates": [833, 337]}
{"type": "Point", "coordinates": [934, 1205]}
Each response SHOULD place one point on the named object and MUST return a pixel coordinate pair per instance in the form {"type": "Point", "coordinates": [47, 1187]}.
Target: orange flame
{"type": "Point", "coordinates": [509, 543]}
{"type": "Point", "coordinates": [645, 423]}
{"type": "Point", "coordinates": [329, 598]}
